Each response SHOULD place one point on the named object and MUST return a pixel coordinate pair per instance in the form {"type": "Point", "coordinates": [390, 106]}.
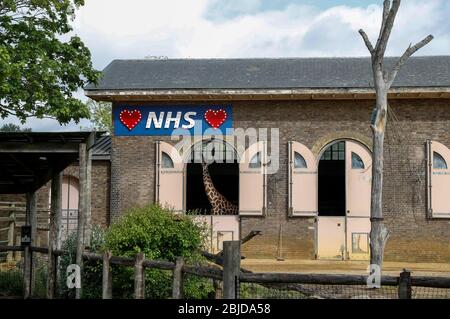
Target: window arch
{"type": "Point", "coordinates": [357, 162]}
{"type": "Point", "coordinates": [166, 161]}
{"type": "Point", "coordinates": [438, 161]}
{"type": "Point", "coordinates": [299, 161]}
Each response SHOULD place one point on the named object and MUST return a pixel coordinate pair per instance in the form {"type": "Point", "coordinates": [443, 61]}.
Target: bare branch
{"type": "Point", "coordinates": [367, 41]}
{"type": "Point", "coordinates": [386, 7]}
{"type": "Point", "coordinates": [386, 32]}
{"type": "Point", "coordinates": [410, 51]}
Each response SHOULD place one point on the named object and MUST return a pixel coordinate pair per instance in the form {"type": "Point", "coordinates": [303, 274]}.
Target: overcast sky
{"type": "Point", "coordinates": [133, 29]}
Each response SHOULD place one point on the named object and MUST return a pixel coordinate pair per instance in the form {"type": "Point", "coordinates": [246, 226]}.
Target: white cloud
{"type": "Point", "coordinates": [177, 28]}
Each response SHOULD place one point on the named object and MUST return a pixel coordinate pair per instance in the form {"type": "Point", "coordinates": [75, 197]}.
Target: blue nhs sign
{"type": "Point", "coordinates": [139, 120]}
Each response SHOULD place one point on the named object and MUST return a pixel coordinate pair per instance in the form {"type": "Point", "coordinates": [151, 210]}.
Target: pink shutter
{"type": "Point", "coordinates": [359, 180]}
{"type": "Point", "coordinates": [169, 180]}
{"type": "Point", "coordinates": [253, 181]}
{"type": "Point", "coordinates": [302, 182]}
{"type": "Point", "coordinates": [438, 181]}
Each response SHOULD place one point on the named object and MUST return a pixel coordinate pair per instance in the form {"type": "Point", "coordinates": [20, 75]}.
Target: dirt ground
{"type": "Point", "coordinates": [343, 267]}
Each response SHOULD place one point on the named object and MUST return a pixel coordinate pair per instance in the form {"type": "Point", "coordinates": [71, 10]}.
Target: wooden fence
{"type": "Point", "coordinates": [231, 275]}
{"type": "Point", "coordinates": [12, 217]}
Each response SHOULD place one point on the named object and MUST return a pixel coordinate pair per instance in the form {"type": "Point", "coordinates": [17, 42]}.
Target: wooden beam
{"type": "Point", "coordinates": [261, 94]}
{"type": "Point", "coordinates": [81, 211]}
{"type": "Point", "coordinates": [107, 277]}
{"type": "Point", "coordinates": [30, 220]}
{"type": "Point", "coordinates": [139, 277]}
{"type": "Point", "coordinates": [88, 221]}
{"type": "Point", "coordinates": [318, 279]}
{"type": "Point", "coordinates": [12, 147]}
{"type": "Point", "coordinates": [177, 286]}
{"type": "Point", "coordinates": [231, 268]}
{"type": "Point", "coordinates": [54, 234]}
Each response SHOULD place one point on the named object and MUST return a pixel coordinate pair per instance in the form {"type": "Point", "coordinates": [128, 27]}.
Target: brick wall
{"type": "Point", "coordinates": [315, 123]}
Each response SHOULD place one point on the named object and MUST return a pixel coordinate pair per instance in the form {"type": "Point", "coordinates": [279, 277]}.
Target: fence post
{"type": "Point", "coordinates": [55, 222]}
{"type": "Point", "coordinates": [231, 268]}
{"type": "Point", "coordinates": [177, 288]}
{"type": "Point", "coordinates": [27, 270]}
{"type": "Point", "coordinates": [404, 285]}
{"type": "Point", "coordinates": [107, 277]}
{"type": "Point", "coordinates": [139, 277]}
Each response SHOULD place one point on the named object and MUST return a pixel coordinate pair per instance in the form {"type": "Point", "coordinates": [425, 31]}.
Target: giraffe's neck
{"type": "Point", "coordinates": [219, 204]}
{"type": "Point", "coordinates": [210, 190]}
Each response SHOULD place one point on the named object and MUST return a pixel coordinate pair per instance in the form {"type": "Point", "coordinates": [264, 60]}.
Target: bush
{"type": "Point", "coordinates": [11, 283]}
{"type": "Point", "coordinates": [92, 272]}
{"type": "Point", "coordinates": [161, 235]}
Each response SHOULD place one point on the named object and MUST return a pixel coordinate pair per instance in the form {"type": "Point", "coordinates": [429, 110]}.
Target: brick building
{"type": "Point", "coordinates": [306, 184]}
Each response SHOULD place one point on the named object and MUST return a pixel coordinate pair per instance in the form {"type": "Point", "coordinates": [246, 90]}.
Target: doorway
{"type": "Point", "coordinates": [344, 183]}
{"type": "Point", "coordinates": [224, 172]}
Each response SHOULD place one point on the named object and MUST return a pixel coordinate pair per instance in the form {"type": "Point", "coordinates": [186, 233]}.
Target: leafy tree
{"type": "Point", "coordinates": [11, 127]}
{"type": "Point", "coordinates": [39, 71]}
{"type": "Point", "coordinates": [100, 115]}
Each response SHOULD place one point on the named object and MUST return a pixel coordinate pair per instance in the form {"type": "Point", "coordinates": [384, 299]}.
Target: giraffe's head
{"type": "Point", "coordinates": [205, 166]}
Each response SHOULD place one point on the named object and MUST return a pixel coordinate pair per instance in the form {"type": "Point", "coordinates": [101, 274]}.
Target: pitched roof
{"type": "Point", "coordinates": [280, 73]}
{"type": "Point", "coordinates": [102, 148]}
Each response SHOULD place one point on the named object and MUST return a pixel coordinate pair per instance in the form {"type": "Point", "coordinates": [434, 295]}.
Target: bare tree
{"type": "Point", "coordinates": [383, 82]}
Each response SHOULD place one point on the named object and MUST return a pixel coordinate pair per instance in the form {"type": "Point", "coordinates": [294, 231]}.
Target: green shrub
{"type": "Point", "coordinates": [91, 279]}
{"type": "Point", "coordinates": [11, 283]}
{"type": "Point", "coordinates": [161, 235]}
{"type": "Point", "coordinates": [40, 281]}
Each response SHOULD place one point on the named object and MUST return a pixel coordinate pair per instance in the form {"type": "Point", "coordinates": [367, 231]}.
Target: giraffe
{"type": "Point", "coordinates": [220, 205]}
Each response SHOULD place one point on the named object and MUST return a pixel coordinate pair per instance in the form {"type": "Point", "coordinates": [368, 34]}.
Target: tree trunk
{"type": "Point", "coordinates": [382, 81]}
{"type": "Point", "coordinates": [378, 233]}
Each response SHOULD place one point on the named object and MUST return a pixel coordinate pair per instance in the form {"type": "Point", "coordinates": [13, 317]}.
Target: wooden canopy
{"type": "Point", "coordinates": [28, 160]}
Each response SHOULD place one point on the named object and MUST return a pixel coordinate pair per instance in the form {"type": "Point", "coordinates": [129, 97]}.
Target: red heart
{"type": "Point", "coordinates": [130, 118]}
{"type": "Point", "coordinates": [215, 118]}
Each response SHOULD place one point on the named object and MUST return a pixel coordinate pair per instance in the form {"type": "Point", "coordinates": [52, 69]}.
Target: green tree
{"type": "Point", "coordinates": [101, 115]}
{"type": "Point", "coordinates": [39, 71]}
{"type": "Point", "coordinates": [11, 127]}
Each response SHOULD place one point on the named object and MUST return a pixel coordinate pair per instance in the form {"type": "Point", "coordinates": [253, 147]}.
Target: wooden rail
{"type": "Point", "coordinates": [217, 274]}
{"type": "Point", "coordinates": [318, 279]}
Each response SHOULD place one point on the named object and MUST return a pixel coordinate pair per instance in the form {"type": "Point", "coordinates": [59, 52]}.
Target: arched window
{"type": "Point", "coordinates": [255, 162]}
{"type": "Point", "coordinates": [166, 161]}
{"type": "Point", "coordinates": [357, 162]}
{"type": "Point", "coordinates": [299, 161]}
{"type": "Point", "coordinates": [439, 161]}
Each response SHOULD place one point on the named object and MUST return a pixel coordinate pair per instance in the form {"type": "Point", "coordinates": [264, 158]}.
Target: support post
{"type": "Point", "coordinates": [405, 285]}
{"type": "Point", "coordinates": [88, 221]}
{"type": "Point", "coordinates": [55, 223]}
{"type": "Point", "coordinates": [12, 223]}
{"type": "Point", "coordinates": [139, 277]}
{"type": "Point", "coordinates": [30, 220]}
{"type": "Point", "coordinates": [177, 288]}
{"type": "Point", "coordinates": [81, 211]}
{"type": "Point", "coordinates": [231, 269]}
{"type": "Point", "coordinates": [107, 277]}
{"type": "Point", "coordinates": [27, 256]}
